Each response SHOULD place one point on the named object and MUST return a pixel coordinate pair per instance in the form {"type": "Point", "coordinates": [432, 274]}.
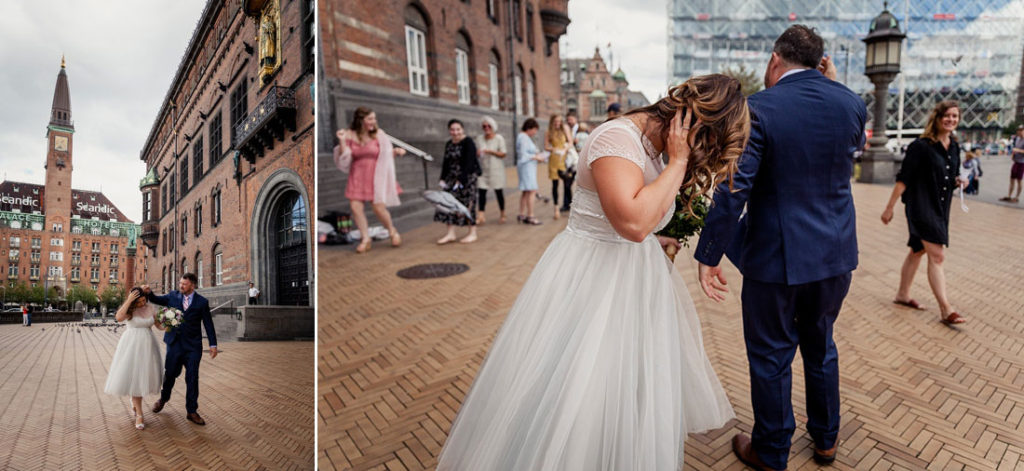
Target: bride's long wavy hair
{"type": "Point", "coordinates": [717, 101]}
{"type": "Point", "coordinates": [129, 304]}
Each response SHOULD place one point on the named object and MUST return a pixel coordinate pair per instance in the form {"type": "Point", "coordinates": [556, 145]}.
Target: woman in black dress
{"type": "Point", "coordinates": [930, 172]}
{"type": "Point", "coordinates": [459, 171]}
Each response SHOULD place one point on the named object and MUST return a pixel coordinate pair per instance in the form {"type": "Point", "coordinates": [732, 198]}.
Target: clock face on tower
{"type": "Point", "coordinates": [60, 143]}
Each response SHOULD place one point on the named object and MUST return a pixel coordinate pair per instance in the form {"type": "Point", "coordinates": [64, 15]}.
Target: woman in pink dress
{"type": "Point", "coordinates": [367, 155]}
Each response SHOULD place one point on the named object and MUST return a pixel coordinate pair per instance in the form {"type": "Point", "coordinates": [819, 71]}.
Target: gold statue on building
{"type": "Point", "coordinates": [269, 40]}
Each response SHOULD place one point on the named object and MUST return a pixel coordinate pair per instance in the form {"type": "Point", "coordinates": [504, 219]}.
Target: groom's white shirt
{"type": "Point", "coordinates": [793, 71]}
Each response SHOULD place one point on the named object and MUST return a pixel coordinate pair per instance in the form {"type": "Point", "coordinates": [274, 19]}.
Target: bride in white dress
{"type": "Point", "coordinates": [137, 367]}
{"type": "Point", "coordinates": [600, 364]}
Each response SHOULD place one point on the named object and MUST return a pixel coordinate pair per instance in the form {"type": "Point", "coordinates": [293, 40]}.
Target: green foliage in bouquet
{"type": "Point", "coordinates": [683, 224]}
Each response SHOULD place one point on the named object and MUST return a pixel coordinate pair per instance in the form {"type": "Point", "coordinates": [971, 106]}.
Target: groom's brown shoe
{"type": "Point", "coordinates": [194, 418]}
{"type": "Point", "coordinates": [158, 406]}
{"type": "Point", "coordinates": [825, 457]}
{"type": "Point", "coordinates": [743, 449]}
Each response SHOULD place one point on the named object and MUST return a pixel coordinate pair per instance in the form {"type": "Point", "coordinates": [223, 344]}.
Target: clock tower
{"type": "Point", "coordinates": [59, 135]}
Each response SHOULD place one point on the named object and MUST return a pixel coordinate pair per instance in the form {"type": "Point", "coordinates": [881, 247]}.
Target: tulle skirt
{"type": "Point", "coordinates": [137, 368]}
{"type": "Point", "coordinates": [600, 365]}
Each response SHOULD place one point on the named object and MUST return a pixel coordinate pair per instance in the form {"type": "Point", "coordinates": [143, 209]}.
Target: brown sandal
{"type": "Point", "coordinates": [909, 303]}
{"type": "Point", "coordinates": [953, 318]}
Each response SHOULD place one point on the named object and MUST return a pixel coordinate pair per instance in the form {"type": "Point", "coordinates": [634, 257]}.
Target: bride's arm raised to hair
{"type": "Point", "coordinates": [122, 312]}
{"type": "Point", "coordinates": [635, 209]}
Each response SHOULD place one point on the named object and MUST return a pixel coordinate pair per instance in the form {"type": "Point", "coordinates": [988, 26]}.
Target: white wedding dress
{"type": "Point", "coordinates": [137, 368]}
{"type": "Point", "coordinates": [600, 363]}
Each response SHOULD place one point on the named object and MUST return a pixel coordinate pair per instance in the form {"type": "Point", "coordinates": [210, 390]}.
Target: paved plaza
{"type": "Point", "coordinates": [256, 398]}
{"type": "Point", "coordinates": [397, 356]}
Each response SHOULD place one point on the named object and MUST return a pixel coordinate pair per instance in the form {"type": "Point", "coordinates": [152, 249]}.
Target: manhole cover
{"type": "Point", "coordinates": [432, 270]}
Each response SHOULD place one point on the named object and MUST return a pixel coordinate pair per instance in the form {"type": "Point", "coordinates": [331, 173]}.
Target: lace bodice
{"type": "Point", "coordinates": [142, 318]}
{"type": "Point", "coordinates": [620, 138]}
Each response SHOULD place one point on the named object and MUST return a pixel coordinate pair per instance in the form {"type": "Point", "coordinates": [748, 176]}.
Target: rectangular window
{"type": "Point", "coordinates": [462, 75]}
{"type": "Point", "coordinates": [37, 242]}
{"type": "Point", "coordinates": [493, 71]}
{"type": "Point", "coordinates": [113, 275]}
{"type": "Point", "coordinates": [215, 140]}
{"type": "Point", "coordinates": [218, 269]}
{"type": "Point", "coordinates": [15, 241]}
{"type": "Point", "coordinates": [76, 258]}
{"type": "Point", "coordinates": [12, 271]}
{"type": "Point", "coordinates": [113, 248]}
{"type": "Point", "coordinates": [183, 174]}
{"type": "Point", "coordinates": [95, 246]}
{"type": "Point", "coordinates": [57, 242]}
{"type": "Point", "coordinates": [163, 199]}
{"type": "Point", "coordinates": [170, 190]}
{"type": "Point", "coordinates": [199, 273]}
{"type": "Point", "coordinates": [517, 84]}
{"type": "Point", "coordinates": [197, 160]}
{"type": "Point", "coordinates": [56, 256]}
{"type": "Point", "coordinates": [147, 206]}
{"type": "Point", "coordinates": [76, 245]}
{"type": "Point", "coordinates": [239, 105]}
{"type": "Point", "coordinates": [13, 254]}
{"type": "Point", "coordinates": [76, 273]}
{"type": "Point", "coordinates": [33, 271]}
{"type": "Point", "coordinates": [94, 275]}
{"type": "Point", "coordinates": [308, 35]}
{"type": "Point", "coordinates": [416, 57]}
{"type": "Point", "coordinates": [184, 228]}
{"type": "Point", "coordinates": [529, 26]}
{"type": "Point", "coordinates": [492, 11]}
{"type": "Point", "coordinates": [55, 271]}
{"type": "Point", "coordinates": [517, 19]}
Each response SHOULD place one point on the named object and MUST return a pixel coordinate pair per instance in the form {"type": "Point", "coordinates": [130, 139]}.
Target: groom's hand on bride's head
{"type": "Point", "coordinates": [145, 289]}
{"type": "Point", "coordinates": [712, 281]}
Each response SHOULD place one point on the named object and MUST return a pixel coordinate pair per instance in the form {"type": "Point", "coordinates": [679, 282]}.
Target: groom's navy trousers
{"type": "Point", "coordinates": [796, 248]}
{"type": "Point", "coordinates": [178, 356]}
{"type": "Point", "coordinates": [777, 319]}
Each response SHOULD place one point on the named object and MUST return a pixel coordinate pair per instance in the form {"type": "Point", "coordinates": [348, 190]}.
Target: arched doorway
{"type": "Point", "coordinates": [281, 254]}
{"type": "Point", "coordinates": [290, 230]}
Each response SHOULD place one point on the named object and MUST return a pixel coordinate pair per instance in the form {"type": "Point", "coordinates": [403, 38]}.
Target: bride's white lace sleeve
{"type": "Point", "coordinates": [616, 141]}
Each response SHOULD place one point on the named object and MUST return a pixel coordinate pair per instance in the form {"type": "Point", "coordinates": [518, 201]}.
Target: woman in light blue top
{"type": "Point", "coordinates": [527, 156]}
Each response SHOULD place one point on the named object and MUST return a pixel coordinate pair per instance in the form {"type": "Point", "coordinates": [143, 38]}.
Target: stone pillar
{"type": "Point", "coordinates": [878, 164]}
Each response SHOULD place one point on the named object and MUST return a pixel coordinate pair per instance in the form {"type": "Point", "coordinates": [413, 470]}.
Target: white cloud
{"type": "Point", "coordinates": [638, 32]}
{"type": "Point", "coordinates": [121, 58]}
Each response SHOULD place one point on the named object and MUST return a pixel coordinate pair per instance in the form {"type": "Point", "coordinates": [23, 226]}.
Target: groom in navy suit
{"type": "Point", "coordinates": [796, 246]}
{"type": "Point", "coordinates": [185, 343]}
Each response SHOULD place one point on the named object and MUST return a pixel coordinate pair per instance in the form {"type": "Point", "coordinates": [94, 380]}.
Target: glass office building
{"type": "Point", "coordinates": [968, 51]}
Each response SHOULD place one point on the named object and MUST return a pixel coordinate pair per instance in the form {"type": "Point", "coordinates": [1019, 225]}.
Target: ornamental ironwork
{"type": "Point", "coordinates": [266, 124]}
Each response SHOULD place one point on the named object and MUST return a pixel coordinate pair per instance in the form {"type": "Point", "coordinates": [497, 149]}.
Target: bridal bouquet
{"type": "Point", "coordinates": [683, 224]}
{"type": "Point", "coordinates": [170, 318]}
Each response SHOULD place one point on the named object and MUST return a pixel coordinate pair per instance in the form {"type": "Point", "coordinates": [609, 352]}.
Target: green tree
{"type": "Point", "coordinates": [35, 295]}
{"type": "Point", "coordinates": [20, 293]}
{"type": "Point", "coordinates": [85, 295]}
{"type": "Point", "coordinates": [112, 296]}
{"type": "Point", "coordinates": [750, 82]}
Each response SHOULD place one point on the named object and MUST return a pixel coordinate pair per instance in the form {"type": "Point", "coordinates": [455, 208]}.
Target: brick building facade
{"type": "Point", "coordinates": [588, 87]}
{"type": "Point", "coordinates": [52, 235]}
{"type": "Point", "coordinates": [419, 63]}
{"type": "Point", "coordinates": [229, 158]}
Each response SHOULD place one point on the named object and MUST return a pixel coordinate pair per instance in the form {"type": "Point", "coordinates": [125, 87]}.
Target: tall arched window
{"type": "Point", "coordinates": [417, 29]}
{"type": "Point", "coordinates": [199, 269]}
{"type": "Point", "coordinates": [463, 67]}
{"type": "Point", "coordinates": [531, 94]}
{"type": "Point", "coordinates": [494, 73]}
{"type": "Point", "coordinates": [517, 85]}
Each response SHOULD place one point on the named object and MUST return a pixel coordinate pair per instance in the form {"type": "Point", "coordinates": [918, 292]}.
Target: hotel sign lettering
{"type": "Point", "coordinates": [96, 208]}
{"type": "Point", "coordinates": [22, 220]}
{"type": "Point", "coordinates": [107, 228]}
{"type": "Point", "coordinates": [19, 200]}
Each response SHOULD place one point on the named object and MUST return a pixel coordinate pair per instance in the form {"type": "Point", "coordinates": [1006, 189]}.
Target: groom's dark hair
{"type": "Point", "coordinates": [190, 277]}
{"type": "Point", "coordinates": [800, 45]}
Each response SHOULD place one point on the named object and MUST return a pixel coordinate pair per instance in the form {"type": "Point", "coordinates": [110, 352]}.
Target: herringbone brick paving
{"type": "Point", "coordinates": [397, 356]}
{"type": "Point", "coordinates": [256, 397]}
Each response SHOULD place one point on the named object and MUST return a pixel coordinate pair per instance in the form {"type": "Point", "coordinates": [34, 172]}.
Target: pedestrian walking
{"type": "Point", "coordinates": [972, 170]}
{"type": "Point", "coordinates": [24, 316]}
{"type": "Point", "coordinates": [1016, 168]}
{"type": "Point", "coordinates": [492, 166]}
{"type": "Point", "coordinates": [527, 157]}
{"type": "Point", "coordinates": [930, 172]}
{"type": "Point", "coordinates": [459, 172]}
{"type": "Point", "coordinates": [557, 142]}
{"type": "Point", "coordinates": [365, 152]}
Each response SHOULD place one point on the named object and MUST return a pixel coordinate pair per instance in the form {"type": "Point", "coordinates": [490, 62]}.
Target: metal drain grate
{"type": "Point", "coordinates": [432, 270]}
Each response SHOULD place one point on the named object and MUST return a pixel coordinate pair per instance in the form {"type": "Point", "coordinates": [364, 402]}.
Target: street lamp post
{"type": "Point", "coordinates": [882, 64]}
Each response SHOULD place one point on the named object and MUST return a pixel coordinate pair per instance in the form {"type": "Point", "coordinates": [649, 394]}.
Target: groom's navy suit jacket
{"type": "Point", "coordinates": [188, 335]}
{"type": "Point", "coordinates": [794, 178]}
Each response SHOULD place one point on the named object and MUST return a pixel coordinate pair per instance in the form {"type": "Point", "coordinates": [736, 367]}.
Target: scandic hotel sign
{"type": "Point", "coordinates": [94, 208]}
{"type": "Point", "coordinates": [18, 200]}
